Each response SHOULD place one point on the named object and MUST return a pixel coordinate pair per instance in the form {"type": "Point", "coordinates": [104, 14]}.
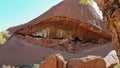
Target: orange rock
{"type": "Point", "coordinates": [60, 60]}
{"type": "Point", "coordinates": [64, 42]}
{"type": "Point", "coordinates": [86, 62]}
{"type": "Point", "coordinates": [49, 63]}
{"type": "Point", "coordinates": [54, 61]}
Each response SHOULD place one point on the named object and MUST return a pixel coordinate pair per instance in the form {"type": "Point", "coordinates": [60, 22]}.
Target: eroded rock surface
{"type": "Point", "coordinates": [54, 61]}
{"type": "Point", "coordinates": [86, 62]}
{"type": "Point", "coordinates": [59, 26]}
{"type": "Point", "coordinates": [57, 61]}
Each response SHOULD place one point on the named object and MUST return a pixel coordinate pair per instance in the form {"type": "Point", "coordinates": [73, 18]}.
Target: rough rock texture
{"type": "Point", "coordinates": [71, 22]}
{"type": "Point", "coordinates": [64, 20]}
{"type": "Point", "coordinates": [111, 17]}
{"type": "Point", "coordinates": [65, 27]}
{"type": "Point", "coordinates": [86, 62]}
{"type": "Point", "coordinates": [70, 9]}
{"type": "Point", "coordinates": [51, 62]}
{"type": "Point", "coordinates": [54, 61]}
{"type": "Point", "coordinates": [72, 46]}
{"type": "Point", "coordinates": [57, 61]}
{"type": "Point", "coordinates": [17, 51]}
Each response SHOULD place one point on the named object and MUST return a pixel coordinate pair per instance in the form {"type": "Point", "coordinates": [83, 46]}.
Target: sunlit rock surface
{"type": "Point", "coordinates": [67, 19]}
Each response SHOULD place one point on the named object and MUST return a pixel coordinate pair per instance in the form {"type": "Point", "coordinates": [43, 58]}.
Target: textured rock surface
{"type": "Point", "coordinates": [54, 61]}
{"type": "Point", "coordinates": [111, 17]}
{"type": "Point", "coordinates": [87, 62]}
{"type": "Point", "coordinates": [68, 23]}
{"type": "Point", "coordinates": [19, 52]}
{"type": "Point", "coordinates": [60, 26]}
{"type": "Point", "coordinates": [71, 9]}
{"type": "Point", "coordinates": [51, 62]}
{"type": "Point", "coordinates": [74, 21]}
{"type": "Point", "coordinates": [57, 61]}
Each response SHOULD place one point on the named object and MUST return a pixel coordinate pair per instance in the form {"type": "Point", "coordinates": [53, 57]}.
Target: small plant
{"type": "Point", "coordinates": [117, 66]}
{"type": "Point", "coordinates": [85, 2]}
{"type": "Point", "coordinates": [3, 36]}
{"type": "Point", "coordinates": [23, 66]}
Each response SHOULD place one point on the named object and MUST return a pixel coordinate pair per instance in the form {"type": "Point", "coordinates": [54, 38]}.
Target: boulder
{"type": "Point", "coordinates": [86, 62]}
{"type": "Point", "coordinates": [60, 61]}
{"type": "Point", "coordinates": [54, 61]}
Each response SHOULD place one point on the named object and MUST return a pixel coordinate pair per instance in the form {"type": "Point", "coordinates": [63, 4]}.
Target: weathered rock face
{"type": "Point", "coordinates": [51, 62]}
{"type": "Point", "coordinates": [60, 27]}
{"type": "Point", "coordinates": [86, 62]}
{"type": "Point", "coordinates": [57, 27]}
{"type": "Point", "coordinates": [77, 21]}
{"type": "Point", "coordinates": [111, 17]}
{"type": "Point", "coordinates": [71, 46]}
{"type": "Point", "coordinates": [60, 22]}
{"type": "Point", "coordinates": [54, 61]}
{"type": "Point", "coordinates": [75, 11]}
{"type": "Point", "coordinates": [67, 15]}
{"type": "Point", "coordinates": [57, 61]}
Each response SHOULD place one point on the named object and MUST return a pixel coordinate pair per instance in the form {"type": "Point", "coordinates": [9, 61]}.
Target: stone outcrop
{"type": "Point", "coordinates": [60, 26]}
{"type": "Point", "coordinates": [67, 19]}
{"type": "Point", "coordinates": [57, 61]}
{"type": "Point", "coordinates": [74, 16]}
{"type": "Point", "coordinates": [54, 61]}
{"type": "Point", "coordinates": [111, 17]}
{"type": "Point", "coordinates": [86, 62]}
{"type": "Point", "coordinates": [77, 21]}
{"type": "Point", "coordinates": [76, 11]}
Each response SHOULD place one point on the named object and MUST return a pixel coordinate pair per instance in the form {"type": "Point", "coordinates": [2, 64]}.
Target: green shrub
{"type": "Point", "coordinates": [117, 66]}
{"type": "Point", "coordinates": [23, 66]}
{"type": "Point", "coordinates": [85, 2]}
{"type": "Point", "coordinates": [3, 36]}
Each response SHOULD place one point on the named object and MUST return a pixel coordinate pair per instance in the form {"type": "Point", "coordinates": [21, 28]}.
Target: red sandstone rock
{"type": "Point", "coordinates": [54, 61]}
{"type": "Point", "coordinates": [86, 14]}
{"type": "Point", "coordinates": [64, 42]}
{"type": "Point", "coordinates": [60, 61]}
{"type": "Point", "coordinates": [69, 48]}
{"type": "Point", "coordinates": [74, 22]}
{"type": "Point", "coordinates": [49, 63]}
{"type": "Point", "coordinates": [102, 41]}
{"type": "Point", "coordinates": [86, 62]}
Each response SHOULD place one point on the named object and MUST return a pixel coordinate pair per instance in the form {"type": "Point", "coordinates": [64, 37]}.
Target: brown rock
{"type": "Point", "coordinates": [86, 62]}
{"type": "Point", "coordinates": [64, 42]}
{"type": "Point", "coordinates": [69, 48]}
{"type": "Point", "coordinates": [102, 41]}
{"type": "Point", "coordinates": [66, 24]}
{"type": "Point", "coordinates": [54, 61]}
{"type": "Point", "coordinates": [60, 60]}
{"type": "Point", "coordinates": [49, 63]}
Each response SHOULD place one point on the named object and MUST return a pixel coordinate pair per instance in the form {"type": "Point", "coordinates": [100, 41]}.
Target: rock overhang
{"type": "Point", "coordinates": [67, 26]}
